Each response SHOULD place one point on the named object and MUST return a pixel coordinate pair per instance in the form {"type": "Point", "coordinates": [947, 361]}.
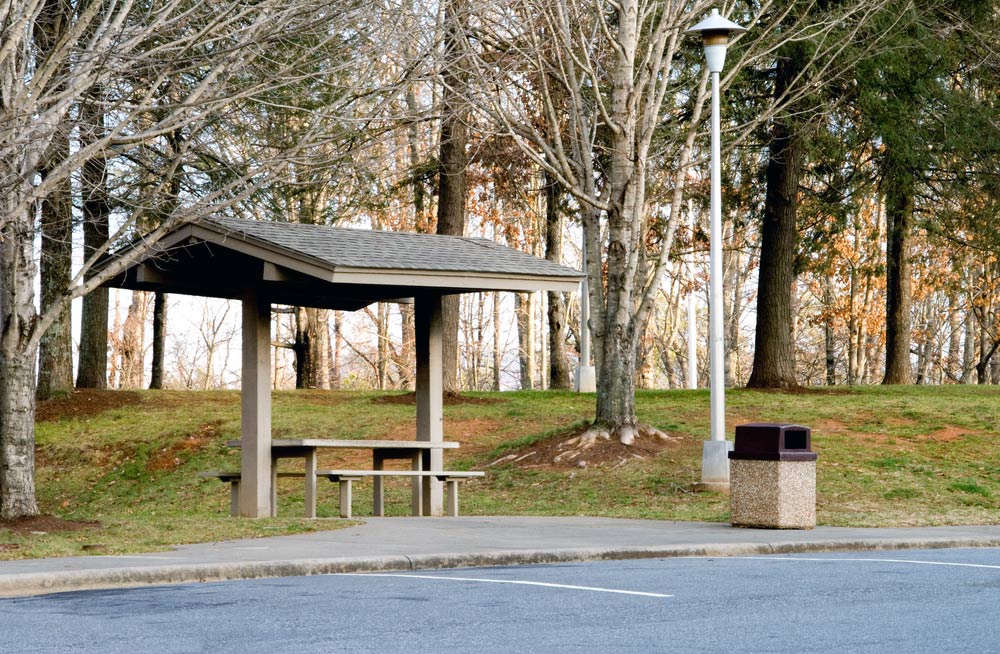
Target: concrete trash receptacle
{"type": "Point", "coordinates": [772, 474]}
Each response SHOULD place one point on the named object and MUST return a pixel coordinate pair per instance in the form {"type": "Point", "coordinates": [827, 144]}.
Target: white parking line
{"type": "Point", "coordinates": [510, 581]}
{"type": "Point", "coordinates": [861, 560]}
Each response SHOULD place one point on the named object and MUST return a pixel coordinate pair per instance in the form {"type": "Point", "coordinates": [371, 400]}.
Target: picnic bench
{"type": "Point", "coordinates": [233, 478]}
{"type": "Point", "coordinates": [346, 478]}
{"type": "Point", "coordinates": [417, 452]}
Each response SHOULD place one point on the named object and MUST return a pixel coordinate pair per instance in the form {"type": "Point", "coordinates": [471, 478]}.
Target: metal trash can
{"type": "Point", "coordinates": [772, 474]}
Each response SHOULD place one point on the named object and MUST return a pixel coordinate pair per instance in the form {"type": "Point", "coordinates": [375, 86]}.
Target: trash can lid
{"type": "Point", "coordinates": [773, 441]}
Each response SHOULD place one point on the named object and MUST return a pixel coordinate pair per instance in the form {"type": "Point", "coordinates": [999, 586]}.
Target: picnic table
{"type": "Point", "coordinates": [417, 452]}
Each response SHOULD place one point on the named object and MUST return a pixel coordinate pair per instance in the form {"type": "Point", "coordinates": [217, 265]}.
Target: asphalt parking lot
{"type": "Point", "coordinates": [942, 600]}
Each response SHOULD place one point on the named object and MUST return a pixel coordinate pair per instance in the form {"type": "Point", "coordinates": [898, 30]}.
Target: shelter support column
{"type": "Point", "coordinates": [430, 388]}
{"type": "Point", "coordinates": [255, 467]}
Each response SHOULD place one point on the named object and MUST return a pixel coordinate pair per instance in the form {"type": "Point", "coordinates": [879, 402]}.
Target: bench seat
{"type": "Point", "coordinates": [234, 488]}
{"type": "Point", "coordinates": [346, 478]}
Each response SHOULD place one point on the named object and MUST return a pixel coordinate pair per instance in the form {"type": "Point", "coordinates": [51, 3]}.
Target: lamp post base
{"type": "Point", "coordinates": [715, 466]}
{"type": "Point", "coordinates": [586, 379]}
{"type": "Point", "coordinates": [711, 487]}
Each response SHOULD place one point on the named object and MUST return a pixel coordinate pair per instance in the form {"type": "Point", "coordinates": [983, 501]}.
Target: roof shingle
{"type": "Point", "coordinates": [358, 248]}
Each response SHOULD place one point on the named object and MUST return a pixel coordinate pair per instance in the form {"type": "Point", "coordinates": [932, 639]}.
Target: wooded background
{"type": "Point", "coordinates": [861, 165]}
{"type": "Point", "coordinates": [902, 103]}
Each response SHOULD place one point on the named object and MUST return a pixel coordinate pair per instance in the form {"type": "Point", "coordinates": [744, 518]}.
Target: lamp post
{"type": "Point", "coordinates": [715, 32]}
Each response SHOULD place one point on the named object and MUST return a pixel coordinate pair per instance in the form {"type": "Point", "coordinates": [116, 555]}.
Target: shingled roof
{"type": "Point", "coordinates": [333, 267]}
{"type": "Point", "coordinates": [364, 249]}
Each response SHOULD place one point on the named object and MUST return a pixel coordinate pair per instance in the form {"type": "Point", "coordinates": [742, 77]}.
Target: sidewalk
{"type": "Point", "coordinates": [420, 543]}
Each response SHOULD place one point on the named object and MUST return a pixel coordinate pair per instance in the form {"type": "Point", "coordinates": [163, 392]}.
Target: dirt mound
{"type": "Point", "coordinates": [578, 449]}
{"type": "Point", "coordinates": [84, 403]}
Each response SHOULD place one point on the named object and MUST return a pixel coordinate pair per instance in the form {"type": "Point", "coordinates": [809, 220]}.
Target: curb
{"type": "Point", "coordinates": [40, 583]}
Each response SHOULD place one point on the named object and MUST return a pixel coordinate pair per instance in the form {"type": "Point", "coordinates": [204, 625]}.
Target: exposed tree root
{"type": "Point", "coordinates": [575, 448]}
{"type": "Point", "coordinates": [591, 447]}
{"type": "Point", "coordinates": [626, 434]}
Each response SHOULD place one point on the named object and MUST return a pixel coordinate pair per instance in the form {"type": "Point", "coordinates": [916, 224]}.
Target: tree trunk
{"type": "Point", "coordinates": [987, 348]}
{"type": "Point", "coordinates": [159, 340]}
{"type": "Point", "coordinates": [616, 385]}
{"type": "Point", "coordinates": [926, 350]}
{"type": "Point", "coordinates": [524, 341]}
{"type": "Point", "coordinates": [133, 343]}
{"type": "Point", "coordinates": [732, 306]}
{"type": "Point", "coordinates": [774, 352]}
{"type": "Point", "coordinates": [645, 372]}
{"type": "Point", "coordinates": [898, 184]}
{"type": "Point", "coordinates": [17, 369]}
{"type": "Point", "coordinates": [55, 354]}
{"type": "Point", "coordinates": [481, 327]}
{"type": "Point", "coordinates": [319, 325]}
{"type": "Point", "coordinates": [301, 349]}
{"type": "Point", "coordinates": [338, 346]}
{"type": "Point", "coordinates": [407, 361]}
{"type": "Point", "coordinates": [828, 333]}
{"type": "Point", "coordinates": [311, 348]}
{"type": "Point", "coordinates": [497, 354]}
{"type": "Point", "coordinates": [559, 372]}
{"type": "Point", "coordinates": [614, 308]}
{"type": "Point", "coordinates": [968, 348]}
{"type": "Point", "coordinates": [954, 360]}
{"type": "Point", "coordinates": [17, 410]}
{"type": "Point", "coordinates": [541, 304]}
{"type": "Point", "coordinates": [92, 369]}
{"type": "Point", "coordinates": [615, 337]}
{"type": "Point", "coordinates": [451, 174]}
{"type": "Point", "coordinates": [866, 345]}
{"type": "Point", "coordinates": [382, 342]}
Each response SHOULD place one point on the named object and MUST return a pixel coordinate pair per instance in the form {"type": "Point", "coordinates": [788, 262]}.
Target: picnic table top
{"type": "Point", "coordinates": [355, 444]}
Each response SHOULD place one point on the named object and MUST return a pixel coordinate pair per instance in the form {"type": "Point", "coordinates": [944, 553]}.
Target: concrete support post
{"type": "Point", "coordinates": [255, 468]}
{"type": "Point", "coordinates": [430, 389]}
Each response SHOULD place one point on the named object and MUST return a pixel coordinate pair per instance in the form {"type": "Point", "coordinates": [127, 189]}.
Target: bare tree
{"type": "Point", "coordinates": [201, 361]}
{"type": "Point", "coordinates": [559, 374]}
{"type": "Point", "coordinates": [452, 170]}
{"type": "Point", "coordinates": [118, 56]}
{"type": "Point", "coordinates": [131, 347]}
{"type": "Point", "coordinates": [604, 97]}
{"type": "Point", "coordinates": [92, 368]}
{"type": "Point", "coordinates": [55, 361]}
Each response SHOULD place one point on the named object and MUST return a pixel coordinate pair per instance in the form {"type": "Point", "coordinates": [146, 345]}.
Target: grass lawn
{"type": "Point", "coordinates": [130, 460]}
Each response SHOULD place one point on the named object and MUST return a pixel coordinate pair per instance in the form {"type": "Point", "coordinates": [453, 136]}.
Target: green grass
{"type": "Point", "coordinates": [887, 457]}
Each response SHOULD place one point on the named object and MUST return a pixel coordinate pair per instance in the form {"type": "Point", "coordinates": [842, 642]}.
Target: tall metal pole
{"type": "Point", "coordinates": [715, 32]}
{"type": "Point", "coordinates": [717, 374]}
{"type": "Point", "coordinates": [715, 452]}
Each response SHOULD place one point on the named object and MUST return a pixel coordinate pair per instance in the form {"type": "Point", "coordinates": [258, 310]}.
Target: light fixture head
{"type": "Point", "coordinates": [715, 34]}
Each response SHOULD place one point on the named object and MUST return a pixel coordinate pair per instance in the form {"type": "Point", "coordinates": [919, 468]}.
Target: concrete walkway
{"type": "Point", "coordinates": [420, 543]}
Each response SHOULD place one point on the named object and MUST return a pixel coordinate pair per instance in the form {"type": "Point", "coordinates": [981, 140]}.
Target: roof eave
{"type": "Point", "coordinates": [464, 280]}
